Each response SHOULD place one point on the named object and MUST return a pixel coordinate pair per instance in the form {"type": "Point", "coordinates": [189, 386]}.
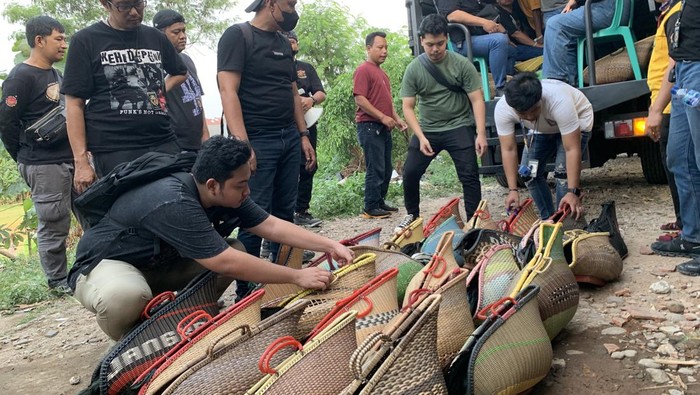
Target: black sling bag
{"type": "Point", "coordinates": [435, 72]}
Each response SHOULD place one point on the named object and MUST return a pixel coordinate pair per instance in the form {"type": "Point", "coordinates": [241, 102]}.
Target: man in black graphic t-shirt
{"type": "Point", "coordinates": [184, 102]}
{"type": "Point", "coordinates": [30, 91]}
{"type": "Point", "coordinates": [262, 106]}
{"type": "Point", "coordinates": [115, 88]}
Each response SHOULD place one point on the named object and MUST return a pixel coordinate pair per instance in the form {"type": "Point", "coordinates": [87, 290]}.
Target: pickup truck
{"type": "Point", "coordinates": [620, 108]}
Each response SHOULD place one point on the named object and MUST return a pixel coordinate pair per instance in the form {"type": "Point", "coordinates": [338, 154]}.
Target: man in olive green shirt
{"type": "Point", "coordinates": [447, 121]}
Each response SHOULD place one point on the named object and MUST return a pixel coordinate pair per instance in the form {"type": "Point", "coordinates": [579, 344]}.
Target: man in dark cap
{"type": "Point", "coordinates": [185, 101]}
{"type": "Point", "coordinates": [115, 84]}
{"type": "Point", "coordinates": [258, 87]}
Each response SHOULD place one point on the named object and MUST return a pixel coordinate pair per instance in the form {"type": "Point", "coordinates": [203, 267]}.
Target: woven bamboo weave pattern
{"type": "Point", "coordinates": [477, 243]}
{"type": "Point", "coordinates": [230, 367]}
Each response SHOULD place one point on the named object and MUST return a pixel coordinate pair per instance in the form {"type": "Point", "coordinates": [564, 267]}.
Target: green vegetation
{"type": "Point", "coordinates": [22, 282]}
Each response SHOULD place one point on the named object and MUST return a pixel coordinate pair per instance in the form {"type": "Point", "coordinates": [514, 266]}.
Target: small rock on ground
{"type": "Point", "coordinates": [660, 287]}
{"type": "Point", "coordinates": [613, 331]}
{"type": "Point", "coordinates": [648, 363]}
{"type": "Point", "coordinates": [657, 375]}
{"type": "Point", "coordinates": [75, 380]}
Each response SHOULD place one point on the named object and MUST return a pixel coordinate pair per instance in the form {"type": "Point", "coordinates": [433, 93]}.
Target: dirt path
{"type": "Point", "coordinates": [45, 347]}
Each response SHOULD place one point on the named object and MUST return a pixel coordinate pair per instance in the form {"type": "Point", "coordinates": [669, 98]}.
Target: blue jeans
{"type": "Point", "coordinates": [683, 151]}
{"type": "Point", "coordinates": [548, 14]}
{"type": "Point", "coordinates": [544, 147]}
{"type": "Point", "coordinates": [521, 53]}
{"type": "Point", "coordinates": [560, 37]}
{"type": "Point", "coordinates": [495, 48]}
{"type": "Point", "coordinates": [376, 143]}
{"type": "Point", "coordinates": [274, 184]}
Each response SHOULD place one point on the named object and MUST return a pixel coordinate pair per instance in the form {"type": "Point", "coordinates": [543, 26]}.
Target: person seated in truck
{"type": "Point", "coordinates": [488, 38]}
{"type": "Point", "coordinates": [562, 32]}
{"type": "Point", "coordinates": [523, 47]}
{"type": "Point", "coordinates": [116, 280]}
{"type": "Point", "coordinates": [559, 119]}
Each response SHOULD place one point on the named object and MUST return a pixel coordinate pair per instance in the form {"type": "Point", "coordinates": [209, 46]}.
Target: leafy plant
{"type": "Point", "coordinates": [341, 199]}
{"type": "Point", "coordinates": [30, 223]}
{"type": "Point", "coordinates": [22, 282]}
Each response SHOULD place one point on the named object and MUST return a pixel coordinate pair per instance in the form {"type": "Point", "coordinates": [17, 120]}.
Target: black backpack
{"type": "Point", "coordinates": [93, 204]}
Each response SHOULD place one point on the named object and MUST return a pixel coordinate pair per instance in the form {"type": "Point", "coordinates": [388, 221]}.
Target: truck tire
{"type": "Point", "coordinates": [652, 166]}
{"type": "Point", "coordinates": [503, 181]}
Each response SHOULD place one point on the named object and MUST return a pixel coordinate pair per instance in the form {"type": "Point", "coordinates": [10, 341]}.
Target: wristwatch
{"type": "Point", "coordinates": [313, 99]}
{"type": "Point", "coordinates": [303, 133]}
{"type": "Point", "coordinates": [575, 191]}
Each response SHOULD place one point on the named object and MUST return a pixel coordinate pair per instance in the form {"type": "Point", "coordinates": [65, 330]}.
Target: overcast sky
{"type": "Point", "coordinates": [387, 14]}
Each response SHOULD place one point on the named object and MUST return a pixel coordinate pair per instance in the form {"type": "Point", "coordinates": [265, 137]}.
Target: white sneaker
{"type": "Point", "coordinates": [404, 224]}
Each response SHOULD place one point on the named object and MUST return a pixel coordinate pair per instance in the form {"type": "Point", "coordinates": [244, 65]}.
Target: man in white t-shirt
{"type": "Point", "coordinates": [559, 119]}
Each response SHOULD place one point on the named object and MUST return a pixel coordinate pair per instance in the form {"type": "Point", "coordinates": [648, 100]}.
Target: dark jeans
{"type": "Point", "coordinates": [306, 178]}
{"type": "Point", "coordinates": [274, 184]}
{"type": "Point", "coordinates": [107, 161]}
{"type": "Point", "coordinates": [376, 143]}
{"type": "Point", "coordinates": [459, 143]}
{"type": "Point", "coordinates": [663, 142]}
{"type": "Point", "coordinates": [543, 148]}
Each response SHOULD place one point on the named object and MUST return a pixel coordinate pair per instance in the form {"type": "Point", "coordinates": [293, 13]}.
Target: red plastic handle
{"type": "Point", "coordinates": [186, 327]}
{"type": "Point", "coordinates": [482, 214]}
{"type": "Point", "coordinates": [494, 307]}
{"type": "Point", "coordinates": [415, 295]}
{"type": "Point", "coordinates": [157, 301]}
{"type": "Point", "coordinates": [272, 349]}
{"type": "Point", "coordinates": [437, 259]}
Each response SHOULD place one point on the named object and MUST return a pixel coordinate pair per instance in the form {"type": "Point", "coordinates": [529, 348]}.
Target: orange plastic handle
{"type": "Point", "coordinates": [482, 214]}
{"type": "Point", "coordinates": [157, 300]}
{"type": "Point", "coordinates": [272, 349]}
{"type": "Point", "coordinates": [494, 307]}
{"type": "Point", "coordinates": [187, 324]}
{"type": "Point", "coordinates": [369, 308]}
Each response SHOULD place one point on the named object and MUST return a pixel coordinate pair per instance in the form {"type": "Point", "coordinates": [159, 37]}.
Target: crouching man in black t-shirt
{"type": "Point", "coordinates": [177, 213]}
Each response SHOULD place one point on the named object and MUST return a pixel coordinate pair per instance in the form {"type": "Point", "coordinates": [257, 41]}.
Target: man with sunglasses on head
{"type": "Point", "coordinates": [117, 73]}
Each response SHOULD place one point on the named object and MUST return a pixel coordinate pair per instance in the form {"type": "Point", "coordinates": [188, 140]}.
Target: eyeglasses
{"type": "Point", "coordinates": [139, 5]}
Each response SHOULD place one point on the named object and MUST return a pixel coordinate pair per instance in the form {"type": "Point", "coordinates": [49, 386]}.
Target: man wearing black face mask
{"type": "Point", "coordinates": [257, 83]}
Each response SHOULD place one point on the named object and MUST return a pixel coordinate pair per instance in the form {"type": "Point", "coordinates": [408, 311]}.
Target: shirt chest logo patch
{"type": "Point", "coordinates": [301, 73]}
{"type": "Point", "coordinates": [11, 101]}
{"type": "Point", "coordinates": [52, 92]}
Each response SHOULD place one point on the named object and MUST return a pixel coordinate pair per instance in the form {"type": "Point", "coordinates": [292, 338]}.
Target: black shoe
{"type": "Point", "coordinates": [306, 219]}
{"type": "Point", "coordinates": [690, 268]}
{"type": "Point", "coordinates": [308, 256]}
{"type": "Point", "coordinates": [60, 287]}
{"type": "Point", "coordinates": [376, 213]}
{"type": "Point", "coordinates": [676, 247]}
{"type": "Point", "coordinates": [386, 207]}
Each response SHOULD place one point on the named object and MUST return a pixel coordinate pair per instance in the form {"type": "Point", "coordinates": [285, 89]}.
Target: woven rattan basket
{"type": "Point", "coordinates": [477, 243]}
{"type": "Point", "coordinates": [559, 293]}
{"type": "Point", "coordinates": [375, 304]}
{"type": "Point", "coordinates": [445, 212]}
{"type": "Point", "coordinates": [230, 364]}
{"type": "Point", "coordinates": [430, 243]}
{"type": "Point", "coordinates": [319, 367]}
{"type": "Point", "coordinates": [290, 257]}
{"type": "Point", "coordinates": [568, 220]}
{"type": "Point", "coordinates": [346, 280]}
{"type": "Point", "coordinates": [482, 218]}
{"type": "Point", "coordinates": [412, 365]}
{"type": "Point", "coordinates": [438, 269]}
{"type": "Point", "coordinates": [616, 67]}
{"type": "Point", "coordinates": [413, 233]}
{"type": "Point", "coordinates": [507, 354]}
{"type": "Point", "coordinates": [195, 346]}
{"type": "Point", "coordinates": [368, 239]}
{"type": "Point", "coordinates": [489, 281]}
{"type": "Point", "coordinates": [591, 257]}
{"type": "Point", "coordinates": [521, 220]}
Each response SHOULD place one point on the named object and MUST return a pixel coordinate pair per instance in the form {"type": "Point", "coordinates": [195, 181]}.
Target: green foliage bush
{"type": "Point", "coordinates": [22, 282]}
{"type": "Point", "coordinates": [333, 199]}
{"type": "Point", "coordinates": [12, 186]}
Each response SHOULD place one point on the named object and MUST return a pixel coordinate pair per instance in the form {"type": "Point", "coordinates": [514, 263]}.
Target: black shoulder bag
{"type": "Point", "coordinates": [435, 72]}
{"type": "Point", "coordinates": [52, 126]}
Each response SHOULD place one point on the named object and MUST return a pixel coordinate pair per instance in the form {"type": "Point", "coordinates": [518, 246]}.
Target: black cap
{"type": "Point", "coordinates": [165, 18]}
{"type": "Point", "coordinates": [254, 5]}
{"type": "Point", "coordinates": [291, 35]}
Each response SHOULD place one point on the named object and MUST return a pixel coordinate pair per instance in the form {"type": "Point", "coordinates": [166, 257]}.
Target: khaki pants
{"type": "Point", "coordinates": [117, 292]}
